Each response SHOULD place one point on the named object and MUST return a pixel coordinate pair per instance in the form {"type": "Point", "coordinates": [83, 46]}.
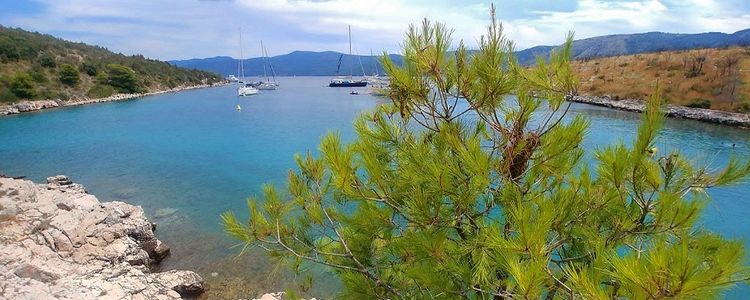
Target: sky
{"type": "Point", "coordinates": [182, 29]}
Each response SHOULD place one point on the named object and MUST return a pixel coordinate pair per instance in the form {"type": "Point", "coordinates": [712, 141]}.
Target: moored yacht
{"type": "Point", "coordinates": [244, 89]}
{"type": "Point", "coordinates": [347, 81]}
{"type": "Point", "coordinates": [269, 83]}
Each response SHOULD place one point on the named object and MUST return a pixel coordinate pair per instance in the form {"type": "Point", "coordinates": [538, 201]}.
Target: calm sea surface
{"type": "Point", "coordinates": [187, 157]}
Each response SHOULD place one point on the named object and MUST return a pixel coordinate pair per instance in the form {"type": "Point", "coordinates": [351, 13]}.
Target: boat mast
{"type": "Point", "coordinates": [242, 67]}
{"type": "Point", "coordinates": [374, 60]}
{"type": "Point", "coordinates": [270, 66]}
{"type": "Point", "coordinates": [351, 59]}
{"type": "Point", "coordinates": [263, 53]}
{"type": "Point", "coordinates": [359, 58]}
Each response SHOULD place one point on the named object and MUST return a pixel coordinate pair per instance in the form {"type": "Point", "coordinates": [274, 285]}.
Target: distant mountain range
{"type": "Point", "coordinates": [625, 44]}
{"type": "Point", "coordinates": [308, 63]}
{"type": "Point", "coordinates": [301, 63]}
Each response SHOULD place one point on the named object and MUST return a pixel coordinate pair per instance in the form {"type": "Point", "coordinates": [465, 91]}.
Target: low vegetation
{"type": "Point", "coordinates": [38, 66]}
{"type": "Point", "coordinates": [705, 78]}
{"type": "Point", "coordinates": [495, 199]}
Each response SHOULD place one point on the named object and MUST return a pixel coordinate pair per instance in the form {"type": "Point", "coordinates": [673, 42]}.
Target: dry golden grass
{"type": "Point", "coordinates": [723, 80]}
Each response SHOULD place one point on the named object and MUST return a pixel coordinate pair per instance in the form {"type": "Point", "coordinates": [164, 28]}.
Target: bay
{"type": "Point", "coordinates": [187, 157]}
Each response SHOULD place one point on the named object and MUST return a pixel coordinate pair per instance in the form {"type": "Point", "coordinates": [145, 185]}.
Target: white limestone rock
{"type": "Point", "coordinates": [58, 242]}
{"type": "Point", "coordinates": [699, 114]}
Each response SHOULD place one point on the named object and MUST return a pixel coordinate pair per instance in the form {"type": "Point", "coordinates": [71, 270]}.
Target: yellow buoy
{"type": "Point", "coordinates": [239, 108]}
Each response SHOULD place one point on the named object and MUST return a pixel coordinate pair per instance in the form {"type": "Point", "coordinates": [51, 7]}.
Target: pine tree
{"type": "Point", "coordinates": [69, 75]}
{"type": "Point", "coordinates": [22, 85]}
{"type": "Point", "coordinates": [473, 184]}
{"type": "Point", "coordinates": [124, 79]}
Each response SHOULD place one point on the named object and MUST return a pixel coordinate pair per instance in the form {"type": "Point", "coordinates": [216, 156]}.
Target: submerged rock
{"type": "Point", "coordinates": [271, 296]}
{"type": "Point", "coordinates": [125, 194]}
{"type": "Point", "coordinates": [58, 242]}
{"type": "Point", "coordinates": [275, 296]}
{"type": "Point", "coordinates": [165, 212]}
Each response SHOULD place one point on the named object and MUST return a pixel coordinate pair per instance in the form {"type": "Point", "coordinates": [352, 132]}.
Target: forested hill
{"type": "Point", "coordinates": [40, 66]}
{"type": "Point", "coordinates": [325, 63]}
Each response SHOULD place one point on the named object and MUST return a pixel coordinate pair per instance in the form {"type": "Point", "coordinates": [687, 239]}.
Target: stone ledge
{"type": "Point", "coordinates": [699, 114]}
{"type": "Point", "coordinates": [59, 242]}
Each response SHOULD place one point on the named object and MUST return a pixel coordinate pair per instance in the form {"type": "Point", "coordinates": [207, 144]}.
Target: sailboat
{"type": "Point", "coordinates": [269, 83]}
{"type": "Point", "coordinates": [378, 85]}
{"type": "Point", "coordinates": [344, 81]}
{"type": "Point", "coordinates": [244, 89]}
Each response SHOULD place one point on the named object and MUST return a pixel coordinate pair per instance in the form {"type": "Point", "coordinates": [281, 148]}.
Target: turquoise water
{"type": "Point", "coordinates": [187, 157]}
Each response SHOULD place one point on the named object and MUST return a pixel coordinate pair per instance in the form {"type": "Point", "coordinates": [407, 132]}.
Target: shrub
{"type": "Point", "coordinates": [101, 78]}
{"type": "Point", "coordinates": [699, 103]}
{"type": "Point", "coordinates": [123, 79]}
{"type": "Point", "coordinates": [52, 93]}
{"type": "Point", "coordinates": [6, 95]}
{"type": "Point", "coordinates": [8, 49]}
{"type": "Point", "coordinates": [100, 91]}
{"type": "Point", "coordinates": [46, 60]}
{"type": "Point", "coordinates": [22, 85]}
{"type": "Point", "coordinates": [38, 75]}
{"type": "Point", "coordinates": [89, 69]}
{"type": "Point", "coordinates": [69, 75]}
{"type": "Point", "coordinates": [743, 107]}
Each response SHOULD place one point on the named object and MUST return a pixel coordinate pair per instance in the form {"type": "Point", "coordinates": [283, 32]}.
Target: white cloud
{"type": "Point", "coordinates": [177, 29]}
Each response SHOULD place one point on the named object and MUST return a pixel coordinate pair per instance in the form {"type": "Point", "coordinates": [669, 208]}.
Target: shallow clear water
{"type": "Point", "coordinates": [187, 157]}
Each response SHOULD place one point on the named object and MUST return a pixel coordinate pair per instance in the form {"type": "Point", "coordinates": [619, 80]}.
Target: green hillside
{"type": "Point", "coordinates": [38, 66]}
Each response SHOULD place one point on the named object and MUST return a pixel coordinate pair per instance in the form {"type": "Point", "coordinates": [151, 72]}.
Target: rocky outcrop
{"type": "Point", "coordinates": [28, 106]}
{"type": "Point", "coordinates": [58, 242]}
{"type": "Point", "coordinates": [699, 114]}
{"type": "Point", "coordinates": [275, 296]}
{"type": "Point", "coordinates": [271, 296]}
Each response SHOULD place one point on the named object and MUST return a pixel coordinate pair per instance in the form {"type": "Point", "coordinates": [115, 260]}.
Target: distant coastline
{"type": "Point", "coordinates": [36, 105]}
{"type": "Point", "coordinates": [698, 114]}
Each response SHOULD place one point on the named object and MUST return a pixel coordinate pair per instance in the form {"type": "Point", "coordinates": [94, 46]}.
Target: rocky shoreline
{"type": "Point", "coordinates": [29, 106]}
{"type": "Point", "coordinates": [699, 114]}
{"type": "Point", "coordinates": [59, 242]}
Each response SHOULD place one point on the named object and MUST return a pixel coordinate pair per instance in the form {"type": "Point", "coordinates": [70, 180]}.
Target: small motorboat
{"type": "Point", "coordinates": [246, 90]}
{"type": "Point", "coordinates": [353, 93]}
